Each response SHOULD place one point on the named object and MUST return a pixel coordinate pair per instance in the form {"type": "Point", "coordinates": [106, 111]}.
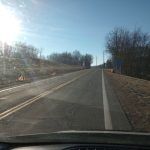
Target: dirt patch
{"type": "Point", "coordinates": [134, 97]}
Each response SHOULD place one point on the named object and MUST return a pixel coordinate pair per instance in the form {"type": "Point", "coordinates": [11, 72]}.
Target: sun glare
{"type": "Point", "coordinates": [9, 25]}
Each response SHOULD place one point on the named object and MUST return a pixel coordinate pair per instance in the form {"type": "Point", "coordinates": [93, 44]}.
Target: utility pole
{"type": "Point", "coordinates": [103, 59]}
{"type": "Point", "coordinates": [96, 60]}
{"type": "Point", "coordinates": [4, 62]}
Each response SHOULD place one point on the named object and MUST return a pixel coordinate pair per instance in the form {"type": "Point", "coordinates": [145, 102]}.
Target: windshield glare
{"type": "Point", "coordinates": [72, 65]}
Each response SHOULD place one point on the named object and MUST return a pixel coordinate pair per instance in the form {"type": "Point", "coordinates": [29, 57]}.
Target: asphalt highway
{"type": "Point", "coordinates": [81, 101]}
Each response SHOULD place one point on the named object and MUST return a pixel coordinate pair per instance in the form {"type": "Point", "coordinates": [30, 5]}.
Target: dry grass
{"type": "Point", "coordinates": [31, 71]}
{"type": "Point", "coordinates": [134, 96]}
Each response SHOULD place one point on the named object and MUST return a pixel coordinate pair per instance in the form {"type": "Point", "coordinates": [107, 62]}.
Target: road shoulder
{"type": "Point", "coordinates": [118, 117]}
{"type": "Point", "coordinates": [133, 95]}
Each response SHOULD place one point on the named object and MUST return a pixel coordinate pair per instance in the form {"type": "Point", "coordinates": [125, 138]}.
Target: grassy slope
{"type": "Point", "coordinates": [31, 70]}
{"type": "Point", "coordinates": [134, 96]}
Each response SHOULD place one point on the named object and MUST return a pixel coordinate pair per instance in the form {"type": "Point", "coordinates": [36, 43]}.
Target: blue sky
{"type": "Point", "coordinates": [67, 25]}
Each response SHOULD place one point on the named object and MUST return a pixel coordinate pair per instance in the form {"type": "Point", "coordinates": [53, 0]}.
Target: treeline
{"type": "Point", "coordinates": [130, 51]}
{"type": "Point", "coordinates": [30, 53]}
{"type": "Point", "coordinates": [18, 50]}
{"type": "Point", "coordinates": [74, 58]}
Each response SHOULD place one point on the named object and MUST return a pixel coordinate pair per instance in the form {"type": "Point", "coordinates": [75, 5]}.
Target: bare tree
{"type": "Point", "coordinates": [75, 58]}
{"type": "Point", "coordinates": [130, 51]}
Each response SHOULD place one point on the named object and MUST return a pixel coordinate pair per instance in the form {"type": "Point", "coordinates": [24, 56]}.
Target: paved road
{"type": "Point", "coordinates": [82, 100]}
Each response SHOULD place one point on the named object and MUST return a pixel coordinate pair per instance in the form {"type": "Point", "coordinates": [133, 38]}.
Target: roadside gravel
{"type": "Point", "coordinates": [134, 97]}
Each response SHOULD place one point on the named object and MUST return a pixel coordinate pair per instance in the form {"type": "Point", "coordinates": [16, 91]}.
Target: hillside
{"type": "Point", "coordinates": [27, 70]}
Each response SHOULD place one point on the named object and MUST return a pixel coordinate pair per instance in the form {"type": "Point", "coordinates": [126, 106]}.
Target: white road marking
{"type": "Point", "coordinates": [30, 101]}
{"type": "Point", "coordinates": [3, 98]}
{"type": "Point", "coordinates": [107, 116]}
{"type": "Point", "coordinates": [14, 87]}
{"type": "Point", "coordinates": [35, 82]}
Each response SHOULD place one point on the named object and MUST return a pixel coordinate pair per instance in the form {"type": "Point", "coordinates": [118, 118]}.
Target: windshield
{"type": "Point", "coordinates": [78, 65]}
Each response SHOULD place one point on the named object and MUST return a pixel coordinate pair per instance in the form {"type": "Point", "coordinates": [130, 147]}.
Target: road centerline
{"type": "Point", "coordinates": [36, 98]}
{"type": "Point", "coordinates": [107, 115]}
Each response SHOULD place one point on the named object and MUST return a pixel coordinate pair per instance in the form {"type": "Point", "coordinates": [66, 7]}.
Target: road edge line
{"type": "Point", "coordinates": [34, 82]}
{"type": "Point", "coordinates": [107, 115]}
{"type": "Point", "coordinates": [36, 98]}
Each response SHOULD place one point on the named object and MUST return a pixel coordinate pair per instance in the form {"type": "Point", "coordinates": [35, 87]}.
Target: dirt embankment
{"type": "Point", "coordinates": [134, 96]}
{"type": "Point", "coordinates": [18, 71]}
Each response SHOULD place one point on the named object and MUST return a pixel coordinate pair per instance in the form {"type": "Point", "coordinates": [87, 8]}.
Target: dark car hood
{"type": "Point", "coordinates": [85, 137]}
{"type": "Point", "coordinates": [111, 137]}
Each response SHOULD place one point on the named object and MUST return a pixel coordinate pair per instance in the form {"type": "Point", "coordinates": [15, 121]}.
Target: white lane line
{"type": "Point", "coordinates": [107, 116]}
{"type": "Point", "coordinates": [30, 101]}
{"type": "Point", "coordinates": [26, 84]}
{"type": "Point", "coordinates": [3, 98]}
{"type": "Point", "coordinates": [35, 82]}
{"type": "Point", "coordinates": [14, 87]}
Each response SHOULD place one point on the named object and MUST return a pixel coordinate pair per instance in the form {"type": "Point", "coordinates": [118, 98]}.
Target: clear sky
{"type": "Point", "coordinates": [67, 25]}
